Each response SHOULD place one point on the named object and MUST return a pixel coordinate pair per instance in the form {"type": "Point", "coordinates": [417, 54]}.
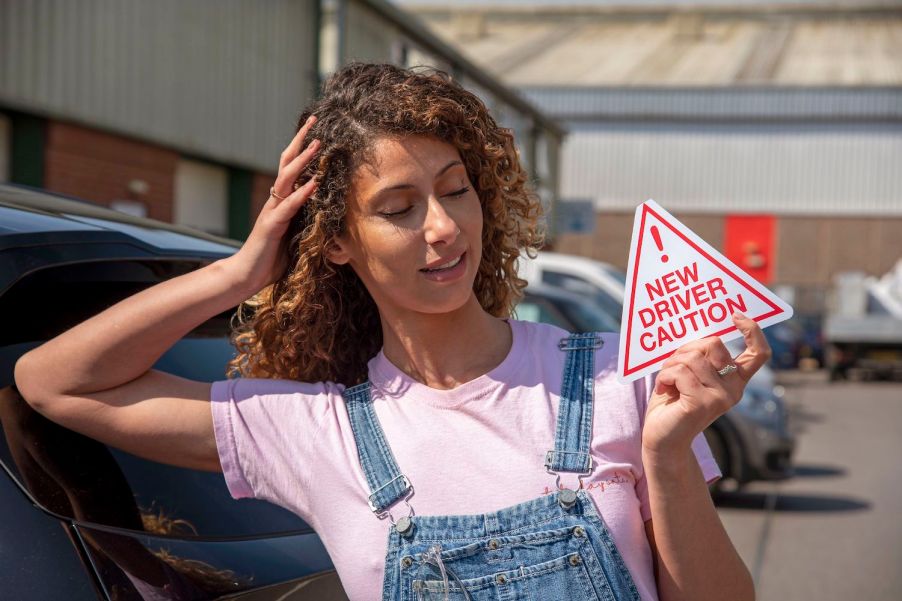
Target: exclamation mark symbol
{"type": "Point", "coordinates": [657, 236]}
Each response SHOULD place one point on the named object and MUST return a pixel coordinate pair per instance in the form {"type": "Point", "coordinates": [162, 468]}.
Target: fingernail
{"type": "Point", "coordinates": [738, 315]}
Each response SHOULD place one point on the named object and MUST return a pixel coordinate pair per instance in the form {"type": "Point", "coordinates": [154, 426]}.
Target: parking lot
{"type": "Point", "coordinates": [834, 531]}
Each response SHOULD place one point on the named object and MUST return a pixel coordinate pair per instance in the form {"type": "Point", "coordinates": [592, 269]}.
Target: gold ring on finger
{"type": "Point", "coordinates": [272, 192]}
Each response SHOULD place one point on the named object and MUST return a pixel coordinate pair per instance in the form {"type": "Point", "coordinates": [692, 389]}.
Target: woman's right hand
{"type": "Point", "coordinates": [264, 256]}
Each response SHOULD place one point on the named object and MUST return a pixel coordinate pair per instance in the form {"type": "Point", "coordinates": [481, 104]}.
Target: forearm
{"type": "Point", "coordinates": [697, 560]}
{"type": "Point", "coordinates": [124, 341]}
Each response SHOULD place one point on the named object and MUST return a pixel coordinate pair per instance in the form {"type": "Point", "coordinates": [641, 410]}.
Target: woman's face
{"type": "Point", "coordinates": [409, 214]}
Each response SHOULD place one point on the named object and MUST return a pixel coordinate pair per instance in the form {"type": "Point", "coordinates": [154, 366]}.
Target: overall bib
{"type": "Point", "coordinates": [554, 547]}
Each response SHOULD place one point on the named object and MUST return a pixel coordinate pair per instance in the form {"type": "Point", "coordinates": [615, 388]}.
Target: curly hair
{"type": "Point", "coordinates": [318, 322]}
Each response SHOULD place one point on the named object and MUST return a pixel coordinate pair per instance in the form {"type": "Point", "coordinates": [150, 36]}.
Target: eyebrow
{"type": "Point", "coordinates": [409, 186]}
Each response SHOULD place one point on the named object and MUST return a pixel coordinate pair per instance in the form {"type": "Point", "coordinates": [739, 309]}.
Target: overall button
{"type": "Point", "coordinates": [501, 579]}
{"type": "Point", "coordinates": [493, 544]}
{"type": "Point", "coordinates": [575, 560]}
{"type": "Point", "coordinates": [567, 498]}
{"type": "Point", "coordinates": [404, 526]}
{"type": "Point", "coordinates": [407, 561]}
{"type": "Point", "coordinates": [579, 532]}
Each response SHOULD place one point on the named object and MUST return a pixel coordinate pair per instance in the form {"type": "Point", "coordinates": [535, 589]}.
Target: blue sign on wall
{"type": "Point", "coordinates": [574, 217]}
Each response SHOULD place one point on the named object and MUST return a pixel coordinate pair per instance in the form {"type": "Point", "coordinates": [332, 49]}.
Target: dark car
{"type": "Point", "coordinates": [750, 442]}
{"type": "Point", "coordinates": [81, 520]}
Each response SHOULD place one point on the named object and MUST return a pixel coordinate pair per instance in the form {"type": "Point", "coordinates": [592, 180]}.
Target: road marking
{"type": "Point", "coordinates": [770, 504]}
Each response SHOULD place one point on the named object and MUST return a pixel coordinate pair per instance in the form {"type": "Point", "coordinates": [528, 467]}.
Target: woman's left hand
{"type": "Point", "coordinates": [689, 394]}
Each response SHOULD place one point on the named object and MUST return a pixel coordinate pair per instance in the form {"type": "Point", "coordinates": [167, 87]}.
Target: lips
{"type": "Point", "coordinates": [443, 264]}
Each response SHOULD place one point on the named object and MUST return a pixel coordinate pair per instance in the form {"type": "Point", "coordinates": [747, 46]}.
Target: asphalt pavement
{"type": "Point", "coordinates": [833, 532]}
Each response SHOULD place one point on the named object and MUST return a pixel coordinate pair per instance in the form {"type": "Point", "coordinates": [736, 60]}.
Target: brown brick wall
{"type": "Point", "coordinates": [611, 241]}
{"type": "Point", "coordinates": [811, 250]}
{"type": "Point", "coordinates": [98, 166]}
{"type": "Point", "coordinates": [808, 251]}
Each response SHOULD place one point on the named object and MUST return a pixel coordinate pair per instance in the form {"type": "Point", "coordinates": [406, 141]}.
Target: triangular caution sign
{"type": "Point", "coordinates": [680, 289]}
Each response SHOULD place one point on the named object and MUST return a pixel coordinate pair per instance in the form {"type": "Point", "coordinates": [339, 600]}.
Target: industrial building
{"type": "Point", "coordinates": [773, 129]}
{"type": "Point", "coordinates": [178, 110]}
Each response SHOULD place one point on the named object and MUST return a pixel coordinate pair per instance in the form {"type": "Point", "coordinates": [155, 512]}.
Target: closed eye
{"type": "Point", "coordinates": [455, 194]}
{"type": "Point", "coordinates": [460, 192]}
{"type": "Point", "coordinates": [396, 213]}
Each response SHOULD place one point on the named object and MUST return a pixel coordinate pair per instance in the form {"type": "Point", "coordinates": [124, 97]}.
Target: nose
{"type": "Point", "coordinates": [439, 225]}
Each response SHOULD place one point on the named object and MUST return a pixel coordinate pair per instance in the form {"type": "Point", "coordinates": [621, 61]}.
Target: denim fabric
{"type": "Point", "coordinates": [548, 548]}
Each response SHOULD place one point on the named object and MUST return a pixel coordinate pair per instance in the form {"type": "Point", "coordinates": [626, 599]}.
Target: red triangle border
{"type": "Point", "coordinates": [627, 371]}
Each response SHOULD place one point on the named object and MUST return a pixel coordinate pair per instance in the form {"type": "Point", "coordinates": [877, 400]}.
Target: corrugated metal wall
{"type": "Point", "coordinates": [369, 36]}
{"type": "Point", "coordinates": [222, 79]}
{"type": "Point", "coordinates": [813, 168]}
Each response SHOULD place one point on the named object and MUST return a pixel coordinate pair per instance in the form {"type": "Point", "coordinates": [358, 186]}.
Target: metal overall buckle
{"type": "Point", "coordinates": [403, 525]}
{"type": "Point", "coordinates": [570, 344]}
{"type": "Point", "coordinates": [566, 497]}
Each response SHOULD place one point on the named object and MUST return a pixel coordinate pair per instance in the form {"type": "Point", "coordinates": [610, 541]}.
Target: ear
{"type": "Point", "coordinates": [337, 251]}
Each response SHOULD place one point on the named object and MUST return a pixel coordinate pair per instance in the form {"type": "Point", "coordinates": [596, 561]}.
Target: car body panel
{"type": "Point", "coordinates": [41, 212]}
{"type": "Point", "coordinates": [220, 566]}
{"type": "Point", "coordinates": [87, 510]}
{"type": "Point", "coordinates": [36, 551]}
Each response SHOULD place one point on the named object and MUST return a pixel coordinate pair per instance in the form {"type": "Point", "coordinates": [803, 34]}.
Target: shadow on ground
{"type": "Point", "coordinates": [795, 503]}
{"type": "Point", "coordinates": [817, 471]}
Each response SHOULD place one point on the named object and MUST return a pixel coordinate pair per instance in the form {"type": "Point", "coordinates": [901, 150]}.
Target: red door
{"type": "Point", "coordinates": [749, 242]}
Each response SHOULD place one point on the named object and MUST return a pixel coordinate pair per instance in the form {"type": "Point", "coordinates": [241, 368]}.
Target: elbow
{"type": "Point", "coordinates": [750, 595]}
{"type": "Point", "coordinates": [747, 592]}
{"type": "Point", "coordinates": [26, 382]}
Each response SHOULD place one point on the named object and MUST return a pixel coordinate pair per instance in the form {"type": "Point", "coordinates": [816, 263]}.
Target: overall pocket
{"type": "Point", "coordinates": [557, 563]}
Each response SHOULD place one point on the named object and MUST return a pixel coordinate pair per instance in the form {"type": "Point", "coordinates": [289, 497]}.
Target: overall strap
{"type": "Point", "coordinates": [574, 421]}
{"type": "Point", "coordinates": [387, 484]}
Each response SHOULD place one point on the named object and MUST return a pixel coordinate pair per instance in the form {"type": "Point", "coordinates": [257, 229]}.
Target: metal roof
{"type": "Point", "coordinates": [823, 45]}
{"type": "Point", "coordinates": [627, 4]}
{"type": "Point", "coordinates": [461, 62]}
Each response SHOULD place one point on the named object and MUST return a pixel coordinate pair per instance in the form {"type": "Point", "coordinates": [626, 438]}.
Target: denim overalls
{"type": "Point", "coordinates": [554, 547]}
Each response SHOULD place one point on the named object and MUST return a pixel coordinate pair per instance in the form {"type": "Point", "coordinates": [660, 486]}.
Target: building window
{"type": "Point", "coordinates": [202, 197]}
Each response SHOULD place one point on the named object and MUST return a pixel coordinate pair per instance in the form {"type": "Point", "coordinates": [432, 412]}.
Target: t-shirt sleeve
{"type": "Point", "coordinates": [265, 432]}
{"type": "Point", "coordinates": [710, 470]}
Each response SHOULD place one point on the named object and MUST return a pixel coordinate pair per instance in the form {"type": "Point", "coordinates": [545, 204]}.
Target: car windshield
{"type": "Point", "coordinates": [611, 306]}
{"type": "Point", "coordinates": [587, 317]}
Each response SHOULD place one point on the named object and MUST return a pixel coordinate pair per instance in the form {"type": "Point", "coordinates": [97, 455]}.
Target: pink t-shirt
{"type": "Point", "coordinates": [474, 449]}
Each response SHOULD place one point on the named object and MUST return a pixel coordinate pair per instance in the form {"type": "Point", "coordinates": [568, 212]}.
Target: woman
{"type": "Point", "coordinates": [380, 357]}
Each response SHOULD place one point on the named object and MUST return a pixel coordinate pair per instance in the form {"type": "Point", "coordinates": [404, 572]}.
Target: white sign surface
{"type": "Point", "coordinates": [679, 289]}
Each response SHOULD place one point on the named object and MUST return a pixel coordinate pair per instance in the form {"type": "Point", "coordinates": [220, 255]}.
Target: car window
{"type": "Point", "coordinates": [587, 317]}
{"type": "Point", "coordinates": [615, 273]}
{"type": "Point", "coordinates": [538, 310]}
{"type": "Point", "coordinates": [77, 477]}
{"type": "Point", "coordinates": [607, 303]}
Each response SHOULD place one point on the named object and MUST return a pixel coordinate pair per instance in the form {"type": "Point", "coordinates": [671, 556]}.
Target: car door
{"type": "Point", "coordinates": [141, 529]}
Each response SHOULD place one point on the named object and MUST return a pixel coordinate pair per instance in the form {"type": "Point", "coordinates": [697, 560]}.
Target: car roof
{"type": "Point", "coordinates": [553, 292]}
{"type": "Point", "coordinates": [554, 258]}
{"type": "Point", "coordinates": [30, 216]}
